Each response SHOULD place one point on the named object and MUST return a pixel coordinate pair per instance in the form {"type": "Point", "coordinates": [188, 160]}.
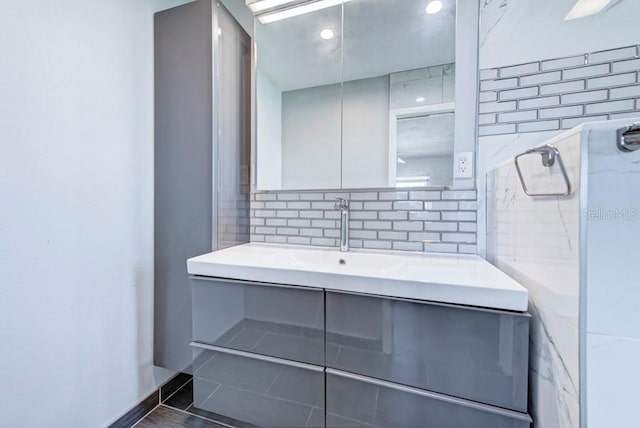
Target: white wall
{"type": "Point", "coordinates": [76, 216]}
{"type": "Point", "coordinates": [269, 133]}
{"type": "Point", "coordinates": [519, 31]}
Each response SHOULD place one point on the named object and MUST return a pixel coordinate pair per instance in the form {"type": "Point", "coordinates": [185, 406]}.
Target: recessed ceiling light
{"type": "Point", "coordinates": [584, 8]}
{"type": "Point", "coordinates": [420, 99]}
{"type": "Point", "coordinates": [434, 6]}
{"type": "Point", "coordinates": [326, 34]}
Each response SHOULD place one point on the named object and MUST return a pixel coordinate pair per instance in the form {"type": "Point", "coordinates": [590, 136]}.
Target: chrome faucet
{"type": "Point", "coordinates": [343, 205]}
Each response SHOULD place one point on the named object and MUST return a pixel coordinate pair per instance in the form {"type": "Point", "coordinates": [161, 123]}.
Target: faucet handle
{"type": "Point", "coordinates": [342, 203]}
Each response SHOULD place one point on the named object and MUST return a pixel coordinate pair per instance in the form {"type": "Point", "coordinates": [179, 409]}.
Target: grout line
{"type": "Point", "coordinates": [143, 417]}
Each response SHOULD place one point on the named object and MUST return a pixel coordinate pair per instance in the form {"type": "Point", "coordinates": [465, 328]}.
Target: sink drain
{"type": "Point", "coordinates": [342, 262]}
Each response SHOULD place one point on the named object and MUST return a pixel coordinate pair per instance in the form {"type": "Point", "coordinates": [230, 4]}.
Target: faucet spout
{"type": "Point", "coordinates": [343, 205]}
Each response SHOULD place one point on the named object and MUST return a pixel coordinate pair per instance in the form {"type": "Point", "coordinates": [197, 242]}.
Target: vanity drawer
{"type": "Point", "coordinates": [471, 353]}
{"type": "Point", "coordinates": [274, 320]}
{"type": "Point", "coordinates": [257, 390]}
{"type": "Point", "coordinates": [358, 401]}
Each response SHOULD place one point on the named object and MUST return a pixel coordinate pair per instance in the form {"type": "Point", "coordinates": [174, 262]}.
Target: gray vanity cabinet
{"type": "Point", "coordinates": [472, 353]}
{"type": "Point", "coordinates": [358, 401]}
{"type": "Point", "coordinates": [258, 390]}
{"type": "Point", "coordinates": [277, 355]}
{"type": "Point", "coordinates": [267, 319]}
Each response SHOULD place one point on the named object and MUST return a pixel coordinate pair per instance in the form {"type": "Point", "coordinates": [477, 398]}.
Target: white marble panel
{"type": "Point", "coordinates": [536, 241]}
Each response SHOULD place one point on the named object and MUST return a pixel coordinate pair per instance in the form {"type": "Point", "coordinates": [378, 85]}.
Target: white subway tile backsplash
{"type": "Point", "coordinates": [489, 85]}
{"type": "Point", "coordinates": [299, 205]}
{"type": "Point", "coordinates": [378, 245]}
{"type": "Point", "coordinates": [364, 215]}
{"type": "Point", "coordinates": [379, 220]}
{"type": "Point", "coordinates": [378, 225]}
{"type": "Point", "coordinates": [459, 216]}
{"type": "Point", "coordinates": [408, 225]}
{"type": "Point", "coordinates": [425, 195]}
{"type": "Point", "coordinates": [299, 223]}
{"type": "Point", "coordinates": [393, 215]}
{"type": "Point", "coordinates": [487, 119]}
{"type": "Point", "coordinates": [288, 196]}
{"type": "Point", "coordinates": [407, 246]}
{"type": "Point", "coordinates": [287, 231]}
{"type": "Point", "coordinates": [424, 236]}
{"type": "Point", "coordinates": [496, 107]}
{"type": "Point", "coordinates": [364, 196]}
{"type": "Point", "coordinates": [266, 197]}
{"type": "Point", "coordinates": [630, 65]}
{"type": "Point", "coordinates": [537, 79]}
{"type": "Point", "coordinates": [539, 102]}
{"type": "Point", "coordinates": [311, 214]}
{"type": "Point", "coordinates": [441, 206]}
{"type": "Point", "coordinates": [610, 107]}
{"type": "Point", "coordinates": [585, 97]}
{"type": "Point", "coordinates": [562, 88]}
{"type": "Point", "coordinates": [547, 113]}
{"type": "Point", "coordinates": [554, 64]}
{"type": "Point", "coordinates": [378, 206]}
{"type": "Point", "coordinates": [539, 125]}
{"type": "Point", "coordinates": [515, 94]}
{"type": "Point", "coordinates": [491, 73]}
{"type": "Point", "coordinates": [440, 248]}
{"type": "Point", "coordinates": [323, 242]}
{"type": "Point", "coordinates": [363, 234]}
{"type": "Point", "coordinates": [459, 237]}
{"type": "Point", "coordinates": [612, 55]}
{"type": "Point", "coordinates": [519, 70]}
{"type": "Point", "coordinates": [611, 81]}
{"type": "Point", "coordinates": [424, 215]}
{"type": "Point", "coordinates": [323, 223]}
{"type": "Point", "coordinates": [575, 121]}
{"type": "Point", "coordinates": [314, 196]}
{"type": "Point", "coordinates": [299, 240]}
{"type": "Point", "coordinates": [276, 222]}
{"type": "Point", "coordinates": [496, 129]}
{"type": "Point", "coordinates": [488, 96]}
{"type": "Point", "coordinates": [460, 195]}
{"type": "Point", "coordinates": [588, 71]}
{"type": "Point", "coordinates": [625, 92]}
{"type": "Point", "coordinates": [393, 236]}
{"type": "Point", "coordinates": [311, 232]}
{"type": "Point", "coordinates": [275, 205]}
{"type": "Point", "coordinates": [440, 227]}
{"type": "Point", "coordinates": [518, 116]}
{"type": "Point", "coordinates": [600, 85]}
{"type": "Point", "coordinates": [393, 196]}
{"type": "Point", "coordinates": [408, 205]}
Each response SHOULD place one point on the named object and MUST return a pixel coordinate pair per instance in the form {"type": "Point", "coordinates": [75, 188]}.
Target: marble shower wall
{"type": "Point", "coordinates": [611, 222]}
{"type": "Point", "coordinates": [536, 241]}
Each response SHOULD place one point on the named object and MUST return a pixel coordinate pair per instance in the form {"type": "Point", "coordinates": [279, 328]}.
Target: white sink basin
{"type": "Point", "coordinates": [456, 279]}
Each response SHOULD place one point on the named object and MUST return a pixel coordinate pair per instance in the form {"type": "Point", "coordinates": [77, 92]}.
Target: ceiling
{"type": "Point", "coordinates": [380, 37]}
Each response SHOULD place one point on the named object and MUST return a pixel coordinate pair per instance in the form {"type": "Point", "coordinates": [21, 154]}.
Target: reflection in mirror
{"type": "Point", "coordinates": [398, 71]}
{"type": "Point", "coordinates": [299, 96]}
{"type": "Point", "coordinates": [346, 94]}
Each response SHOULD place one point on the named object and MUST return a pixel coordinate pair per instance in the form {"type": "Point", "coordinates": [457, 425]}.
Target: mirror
{"type": "Point", "coordinates": [355, 95]}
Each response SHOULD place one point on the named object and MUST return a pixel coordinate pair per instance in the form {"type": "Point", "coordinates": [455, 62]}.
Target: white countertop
{"type": "Point", "coordinates": [446, 278]}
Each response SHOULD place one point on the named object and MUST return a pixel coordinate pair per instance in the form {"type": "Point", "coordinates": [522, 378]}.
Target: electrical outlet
{"type": "Point", "coordinates": [464, 165]}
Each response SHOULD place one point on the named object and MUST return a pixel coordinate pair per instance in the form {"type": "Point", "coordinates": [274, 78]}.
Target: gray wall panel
{"type": "Point", "coordinates": [183, 170]}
